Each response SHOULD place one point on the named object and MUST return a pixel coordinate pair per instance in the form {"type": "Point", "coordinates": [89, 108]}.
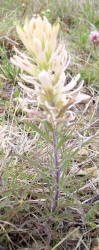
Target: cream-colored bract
{"type": "Point", "coordinates": [39, 37]}
{"type": "Point", "coordinates": [45, 70]}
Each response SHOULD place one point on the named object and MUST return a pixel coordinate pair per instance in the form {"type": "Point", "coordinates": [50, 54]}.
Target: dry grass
{"type": "Point", "coordinates": [26, 159]}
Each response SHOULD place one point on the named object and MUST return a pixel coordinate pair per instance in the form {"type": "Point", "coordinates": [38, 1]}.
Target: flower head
{"type": "Point", "coordinates": [94, 36]}
{"type": "Point", "coordinates": [39, 38]}
{"type": "Point", "coordinates": [46, 71]}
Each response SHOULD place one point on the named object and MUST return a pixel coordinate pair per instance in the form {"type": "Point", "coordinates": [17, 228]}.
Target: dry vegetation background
{"type": "Point", "coordinates": [26, 152]}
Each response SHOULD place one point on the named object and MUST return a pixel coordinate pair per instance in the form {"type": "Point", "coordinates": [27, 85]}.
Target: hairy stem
{"type": "Point", "coordinates": [57, 174]}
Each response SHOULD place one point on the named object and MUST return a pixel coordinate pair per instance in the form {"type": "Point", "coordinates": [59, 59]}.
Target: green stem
{"type": "Point", "coordinates": [57, 174]}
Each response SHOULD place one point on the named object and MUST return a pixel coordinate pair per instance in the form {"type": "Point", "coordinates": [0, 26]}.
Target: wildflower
{"type": "Point", "coordinates": [46, 71]}
{"type": "Point", "coordinates": [94, 36]}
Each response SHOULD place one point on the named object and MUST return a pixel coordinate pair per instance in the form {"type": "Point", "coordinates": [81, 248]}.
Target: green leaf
{"type": "Point", "coordinates": [16, 93]}
{"type": "Point", "coordinates": [64, 139]}
{"type": "Point", "coordinates": [48, 127]}
{"type": "Point", "coordinates": [68, 158]}
{"type": "Point", "coordinates": [38, 130]}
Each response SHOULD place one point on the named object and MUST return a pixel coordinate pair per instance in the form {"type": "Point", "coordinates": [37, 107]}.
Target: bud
{"type": "Point", "coordinates": [94, 36]}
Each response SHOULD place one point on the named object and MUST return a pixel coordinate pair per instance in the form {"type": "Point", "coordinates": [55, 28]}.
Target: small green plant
{"type": "Point", "coordinates": [8, 71]}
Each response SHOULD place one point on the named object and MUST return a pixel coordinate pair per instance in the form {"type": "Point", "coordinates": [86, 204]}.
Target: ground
{"type": "Point", "coordinates": [26, 150]}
